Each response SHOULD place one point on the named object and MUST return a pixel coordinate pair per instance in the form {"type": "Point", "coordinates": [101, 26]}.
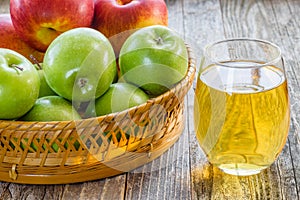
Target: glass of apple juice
{"type": "Point", "coordinates": [241, 110]}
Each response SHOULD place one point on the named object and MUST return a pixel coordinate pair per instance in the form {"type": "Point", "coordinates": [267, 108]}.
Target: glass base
{"type": "Point", "coordinates": [241, 169]}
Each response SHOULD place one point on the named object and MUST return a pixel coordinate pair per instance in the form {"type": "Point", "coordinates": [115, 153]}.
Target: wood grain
{"type": "Point", "coordinates": [4, 6]}
{"type": "Point", "coordinates": [265, 20]}
{"type": "Point", "coordinates": [183, 172]}
{"type": "Point", "coordinates": [168, 176]}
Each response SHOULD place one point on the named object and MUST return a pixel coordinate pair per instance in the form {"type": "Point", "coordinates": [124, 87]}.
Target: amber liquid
{"type": "Point", "coordinates": [241, 117]}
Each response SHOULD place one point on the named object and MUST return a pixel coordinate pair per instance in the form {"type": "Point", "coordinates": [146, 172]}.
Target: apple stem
{"type": "Point", "coordinates": [16, 67]}
{"type": "Point", "coordinates": [35, 62]}
{"type": "Point", "coordinates": [159, 41]}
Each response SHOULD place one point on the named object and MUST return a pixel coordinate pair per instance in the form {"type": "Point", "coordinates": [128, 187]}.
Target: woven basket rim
{"type": "Point", "coordinates": [187, 80]}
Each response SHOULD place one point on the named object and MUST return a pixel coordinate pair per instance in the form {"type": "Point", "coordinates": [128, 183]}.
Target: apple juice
{"type": "Point", "coordinates": [241, 116]}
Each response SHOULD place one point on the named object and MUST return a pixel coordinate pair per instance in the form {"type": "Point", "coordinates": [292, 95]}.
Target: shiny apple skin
{"type": "Point", "coordinates": [154, 58]}
{"type": "Point", "coordinates": [80, 64]}
{"type": "Point", "coordinates": [38, 22]}
{"type": "Point", "coordinates": [19, 84]}
{"type": "Point", "coordinates": [10, 39]}
{"type": "Point", "coordinates": [117, 20]}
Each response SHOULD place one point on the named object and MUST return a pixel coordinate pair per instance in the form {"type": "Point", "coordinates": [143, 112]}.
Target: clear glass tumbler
{"type": "Point", "coordinates": [241, 110]}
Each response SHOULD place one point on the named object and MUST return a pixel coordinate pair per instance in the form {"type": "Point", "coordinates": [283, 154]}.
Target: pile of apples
{"type": "Point", "coordinates": [65, 59]}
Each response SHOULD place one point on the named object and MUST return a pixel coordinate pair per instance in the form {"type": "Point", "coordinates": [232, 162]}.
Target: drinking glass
{"type": "Point", "coordinates": [241, 110]}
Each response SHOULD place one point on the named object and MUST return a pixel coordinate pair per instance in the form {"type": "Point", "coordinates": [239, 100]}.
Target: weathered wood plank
{"type": "Point", "coordinates": [167, 177]}
{"type": "Point", "coordinates": [109, 188]}
{"type": "Point", "coordinates": [250, 19]}
{"type": "Point", "coordinates": [268, 20]}
{"type": "Point", "coordinates": [203, 24]}
{"type": "Point", "coordinates": [289, 30]}
{"type": "Point", "coordinates": [4, 6]}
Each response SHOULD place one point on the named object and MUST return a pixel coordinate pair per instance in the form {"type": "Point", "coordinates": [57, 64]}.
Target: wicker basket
{"type": "Point", "coordinates": [95, 148]}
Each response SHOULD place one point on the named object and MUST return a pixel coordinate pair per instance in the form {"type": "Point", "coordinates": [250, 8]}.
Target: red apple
{"type": "Point", "coordinates": [39, 22]}
{"type": "Point", "coordinates": [117, 19]}
{"type": "Point", "coordinates": [9, 39]}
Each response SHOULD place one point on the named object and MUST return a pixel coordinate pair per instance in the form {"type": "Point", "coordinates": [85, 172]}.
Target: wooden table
{"type": "Point", "coordinates": [183, 171]}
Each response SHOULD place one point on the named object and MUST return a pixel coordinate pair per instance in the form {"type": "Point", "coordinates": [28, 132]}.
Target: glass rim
{"type": "Point", "coordinates": [257, 65]}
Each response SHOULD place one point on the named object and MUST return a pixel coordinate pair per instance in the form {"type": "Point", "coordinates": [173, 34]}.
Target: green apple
{"type": "Point", "coordinates": [154, 58]}
{"type": "Point", "coordinates": [45, 89]}
{"type": "Point", "coordinates": [24, 142]}
{"type": "Point", "coordinates": [51, 108]}
{"type": "Point", "coordinates": [119, 97]}
{"type": "Point", "coordinates": [19, 84]}
{"type": "Point", "coordinates": [80, 64]}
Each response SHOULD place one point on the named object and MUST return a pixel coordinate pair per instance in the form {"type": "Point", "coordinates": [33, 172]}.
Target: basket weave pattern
{"type": "Point", "coordinates": [76, 151]}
